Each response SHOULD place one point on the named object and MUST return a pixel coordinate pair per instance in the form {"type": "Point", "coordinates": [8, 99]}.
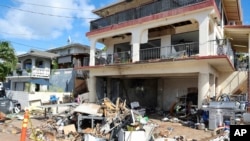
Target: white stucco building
{"type": "Point", "coordinates": [159, 50]}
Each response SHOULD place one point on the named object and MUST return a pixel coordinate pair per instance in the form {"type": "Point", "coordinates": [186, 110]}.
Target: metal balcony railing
{"type": "Point", "coordinates": [139, 12]}
{"type": "Point", "coordinates": [118, 57]}
{"type": "Point", "coordinates": [167, 52]}
{"type": "Point", "coordinates": [177, 51]}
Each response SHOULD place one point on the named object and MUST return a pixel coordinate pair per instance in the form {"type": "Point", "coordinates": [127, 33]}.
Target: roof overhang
{"type": "Point", "coordinates": [239, 37]}
{"type": "Point", "coordinates": [232, 10]}
{"type": "Point", "coordinates": [118, 6]}
{"type": "Point", "coordinates": [219, 63]}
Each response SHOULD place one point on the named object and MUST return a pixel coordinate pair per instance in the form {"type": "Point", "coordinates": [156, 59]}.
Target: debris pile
{"type": "Point", "coordinates": [106, 121]}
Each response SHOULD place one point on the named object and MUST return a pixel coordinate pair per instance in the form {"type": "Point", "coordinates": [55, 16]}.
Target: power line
{"type": "Point", "coordinates": [50, 6]}
{"type": "Point", "coordinates": [42, 13]}
{"type": "Point", "coordinates": [27, 45]}
{"type": "Point", "coordinates": [12, 33]}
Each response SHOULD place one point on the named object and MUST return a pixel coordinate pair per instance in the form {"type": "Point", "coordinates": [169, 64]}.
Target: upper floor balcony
{"type": "Point", "coordinates": [164, 53]}
{"type": "Point", "coordinates": [140, 12]}
{"type": "Point", "coordinates": [34, 72]}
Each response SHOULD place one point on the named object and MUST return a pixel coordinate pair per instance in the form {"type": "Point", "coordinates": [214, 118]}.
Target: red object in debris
{"type": "Point", "coordinates": [24, 126]}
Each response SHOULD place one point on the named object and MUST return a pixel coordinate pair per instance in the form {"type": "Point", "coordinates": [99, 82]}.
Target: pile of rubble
{"type": "Point", "coordinates": [107, 121]}
{"type": "Point", "coordinates": [96, 122]}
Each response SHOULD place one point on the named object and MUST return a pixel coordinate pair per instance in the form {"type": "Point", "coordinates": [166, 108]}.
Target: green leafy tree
{"type": "Point", "coordinates": [8, 59]}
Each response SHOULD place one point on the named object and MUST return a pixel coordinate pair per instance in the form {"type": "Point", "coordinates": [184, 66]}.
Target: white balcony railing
{"type": "Point", "coordinates": [40, 72]}
{"type": "Point", "coordinates": [35, 72]}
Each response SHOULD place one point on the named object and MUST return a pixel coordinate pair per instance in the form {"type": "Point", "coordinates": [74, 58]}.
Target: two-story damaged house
{"type": "Point", "coordinates": [158, 50]}
{"type": "Point", "coordinates": [33, 72]}
{"type": "Point", "coordinates": [65, 78]}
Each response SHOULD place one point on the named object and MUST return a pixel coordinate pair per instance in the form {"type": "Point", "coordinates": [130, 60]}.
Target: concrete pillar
{"type": "Point", "coordinates": [21, 63]}
{"type": "Point", "coordinates": [92, 52]}
{"type": "Point", "coordinates": [248, 79]}
{"type": "Point", "coordinates": [203, 87]}
{"type": "Point", "coordinates": [92, 88]}
{"type": "Point", "coordinates": [203, 35]}
{"type": "Point", "coordinates": [138, 36]}
{"type": "Point", "coordinates": [33, 63]}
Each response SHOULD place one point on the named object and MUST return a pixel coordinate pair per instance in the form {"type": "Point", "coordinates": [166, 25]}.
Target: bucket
{"type": "Point", "coordinates": [197, 125]}
{"type": "Point", "coordinates": [201, 126]}
{"type": "Point", "coordinates": [227, 125]}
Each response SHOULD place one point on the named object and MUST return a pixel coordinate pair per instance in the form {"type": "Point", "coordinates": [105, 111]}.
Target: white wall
{"type": "Point", "coordinates": [24, 97]}
{"type": "Point", "coordinates": [176, 87]}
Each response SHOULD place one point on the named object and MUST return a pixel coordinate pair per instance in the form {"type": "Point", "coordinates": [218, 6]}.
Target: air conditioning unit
{"type": "Point", "coordinates": [231, 23]}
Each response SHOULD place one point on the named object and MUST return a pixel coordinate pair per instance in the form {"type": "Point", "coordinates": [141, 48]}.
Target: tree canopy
{"type": "Point", "coordinates": [8, 59]}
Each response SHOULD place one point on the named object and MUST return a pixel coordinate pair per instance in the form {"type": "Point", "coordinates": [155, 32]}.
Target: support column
{"type": "Point", "coordinates": [203, 87]}
{"type": "Point", "coordinates": [248, 79]}
{"type": "Point", "coordinates": [138, 36]}
{"type": "Point", "coordinates": [204, 36]}
{"type": "Point", "coordinates": [92, 52]}
{"type": "Point", "coordinates": [33, 63]}
{"type": "Point", "coordinates": [21, 63]}
{"type": "Point", "coordinates": [92, 88]}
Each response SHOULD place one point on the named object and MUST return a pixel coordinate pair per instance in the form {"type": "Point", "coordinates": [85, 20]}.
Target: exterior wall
{"type": "Point", "coordinates": [80, 50]}
{"type": "Point", "coordinates": [25, 98]}
{"type": "Point", "coordinates": [140, 32]}
{"type": "Point", "coordinates": [175, 87]}
{"type": "Point", "coordinates": [71, 50]}
{"type": "Point", "coordinates": [209, 31]}
{"type": "Point", "coordinates": [46, 62]}
{"type": "Point", "coordinates": [169, 69]}
{"type": "Point", "coordinates": [21, 96]}
{"type": "Point", "coordinates": [62, 80]}
{"type": "Point", "coordinates": [18, 83]}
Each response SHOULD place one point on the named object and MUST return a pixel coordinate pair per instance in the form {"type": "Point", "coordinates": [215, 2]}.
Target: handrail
{"type": "Point", "coordinates": [236, 81]}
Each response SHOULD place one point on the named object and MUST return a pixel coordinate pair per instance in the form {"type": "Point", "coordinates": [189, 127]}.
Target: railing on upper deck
{"type": "Point", "coordinates": [166, 52]}
{"type": "Point", "coordinates": [35, 72]}
{"type": "Point", "coordinates": [170, 52]}
{"type": "Point", "coordinates": [177, 51]}
{"type": "Point", "coordinates": [139, 12]}
{"type": "Point", "coordinates": [118, 57]}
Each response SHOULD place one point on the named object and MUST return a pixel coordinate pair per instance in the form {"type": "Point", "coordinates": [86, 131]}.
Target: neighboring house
{"type": "Point", "coordinates": [159, 50]}
{"type": "Point", "coordinates": [65, 78]}
{"type": "Point", "coordinates": [33, 72]}
{"type": "Point", "coordinates": [72, 55]}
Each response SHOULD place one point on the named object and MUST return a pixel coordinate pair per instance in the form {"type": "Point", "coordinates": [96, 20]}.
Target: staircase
{"type": "Point", "coordinates": [236, 83]}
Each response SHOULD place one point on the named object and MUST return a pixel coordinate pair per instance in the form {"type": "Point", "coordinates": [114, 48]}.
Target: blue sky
{"type": "Point", "coordinates": [46, 24]}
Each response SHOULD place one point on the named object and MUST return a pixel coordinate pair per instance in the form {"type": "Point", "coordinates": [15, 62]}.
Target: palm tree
{"type": "Point", "coordinates": [8, 59]}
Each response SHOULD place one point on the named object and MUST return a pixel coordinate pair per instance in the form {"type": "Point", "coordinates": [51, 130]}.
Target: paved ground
{"type": "Point", "coordinates": [11, 129]}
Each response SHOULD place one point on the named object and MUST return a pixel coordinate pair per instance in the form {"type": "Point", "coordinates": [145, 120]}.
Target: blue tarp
{"type": "Point", "coordinates": [40, 81]}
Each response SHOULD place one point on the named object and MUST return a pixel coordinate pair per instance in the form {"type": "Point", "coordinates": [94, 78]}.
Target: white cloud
{"type": "Point", "coordinates": [25, 22]}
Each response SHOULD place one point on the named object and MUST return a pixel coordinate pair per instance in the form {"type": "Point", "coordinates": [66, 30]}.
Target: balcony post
{"type": "Point", "coordinates": [92, 88]}
{"type": "Point", "coordinates": [248, 75]}
{"type": "Point", "coordinates": [33, 63]}
{"type": "Point", "coordinates": [203, 87]}
{"type": "Point", "coordinates": [92, 52]}
{"type": "Point", "coordinates": [203, 35]}
{"type": "Point", "coordinates": [138, 36]}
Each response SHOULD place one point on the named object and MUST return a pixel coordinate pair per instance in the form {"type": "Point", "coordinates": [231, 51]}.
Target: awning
{"type": "Point", "coordinates": [40, 81]}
